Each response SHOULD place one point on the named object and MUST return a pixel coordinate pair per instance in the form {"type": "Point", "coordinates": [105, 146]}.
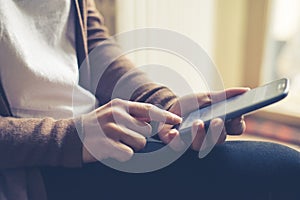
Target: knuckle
{"type": "Point", "coordinates": [117, 102]}
{"type": "Point", "coordinates": [98, 112]}
{"type": "Point", "coordinates": [148, 106]}
{"type": "Point", "coordinates": [108, 114]}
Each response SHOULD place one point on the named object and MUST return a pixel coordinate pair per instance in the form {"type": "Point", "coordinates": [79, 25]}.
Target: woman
{"type": "Point", "coordinates": [44, 154]}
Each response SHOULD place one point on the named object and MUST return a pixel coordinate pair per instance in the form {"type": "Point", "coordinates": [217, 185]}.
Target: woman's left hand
{"type": "Point", "coordinates": [187, 104]}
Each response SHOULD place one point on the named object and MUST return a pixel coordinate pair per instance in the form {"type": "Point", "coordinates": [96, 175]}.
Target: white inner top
{"type": "Point", "coordinates": [38, 64]}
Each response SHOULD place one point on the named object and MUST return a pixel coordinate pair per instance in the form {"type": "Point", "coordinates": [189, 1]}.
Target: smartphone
{"type": "Point", "coordinates": [238, 105]}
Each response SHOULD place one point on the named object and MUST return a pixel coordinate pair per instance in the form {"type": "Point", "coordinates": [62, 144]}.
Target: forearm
{"type": "Point", "coordinates": [39, 142]}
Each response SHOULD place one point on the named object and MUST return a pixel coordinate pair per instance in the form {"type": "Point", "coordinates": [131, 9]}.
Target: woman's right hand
{"type": "Point", "coordinates": [118, 128]}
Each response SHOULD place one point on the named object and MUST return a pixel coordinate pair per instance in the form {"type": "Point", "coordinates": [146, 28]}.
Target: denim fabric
{"type": "Point", "coordinates": [234, 170]}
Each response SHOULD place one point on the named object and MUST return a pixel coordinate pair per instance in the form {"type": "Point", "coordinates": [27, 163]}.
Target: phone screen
{"type": "Point", "coordinates": [240, 104]}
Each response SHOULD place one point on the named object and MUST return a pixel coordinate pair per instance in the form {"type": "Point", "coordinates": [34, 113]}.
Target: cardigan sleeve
{"type": "Point", "coordinates": [27, 142]}
{"type": "Point", "coordinates": [120, 76]}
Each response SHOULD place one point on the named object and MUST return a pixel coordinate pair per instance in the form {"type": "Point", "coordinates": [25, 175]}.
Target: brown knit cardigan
{"type": "Point", "coordinates": [29, 143]}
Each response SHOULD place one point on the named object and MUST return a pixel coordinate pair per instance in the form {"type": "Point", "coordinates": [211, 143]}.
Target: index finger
{"type": "Point", "coordinates": [149, 112]}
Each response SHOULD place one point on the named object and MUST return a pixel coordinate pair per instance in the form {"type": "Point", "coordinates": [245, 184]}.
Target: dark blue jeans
{"type": "Point", "coordinates": [234, 170]}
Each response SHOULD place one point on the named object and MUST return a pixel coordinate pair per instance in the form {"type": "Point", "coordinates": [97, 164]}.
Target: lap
{"type": "Point", "coordinates": [252, 168]}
